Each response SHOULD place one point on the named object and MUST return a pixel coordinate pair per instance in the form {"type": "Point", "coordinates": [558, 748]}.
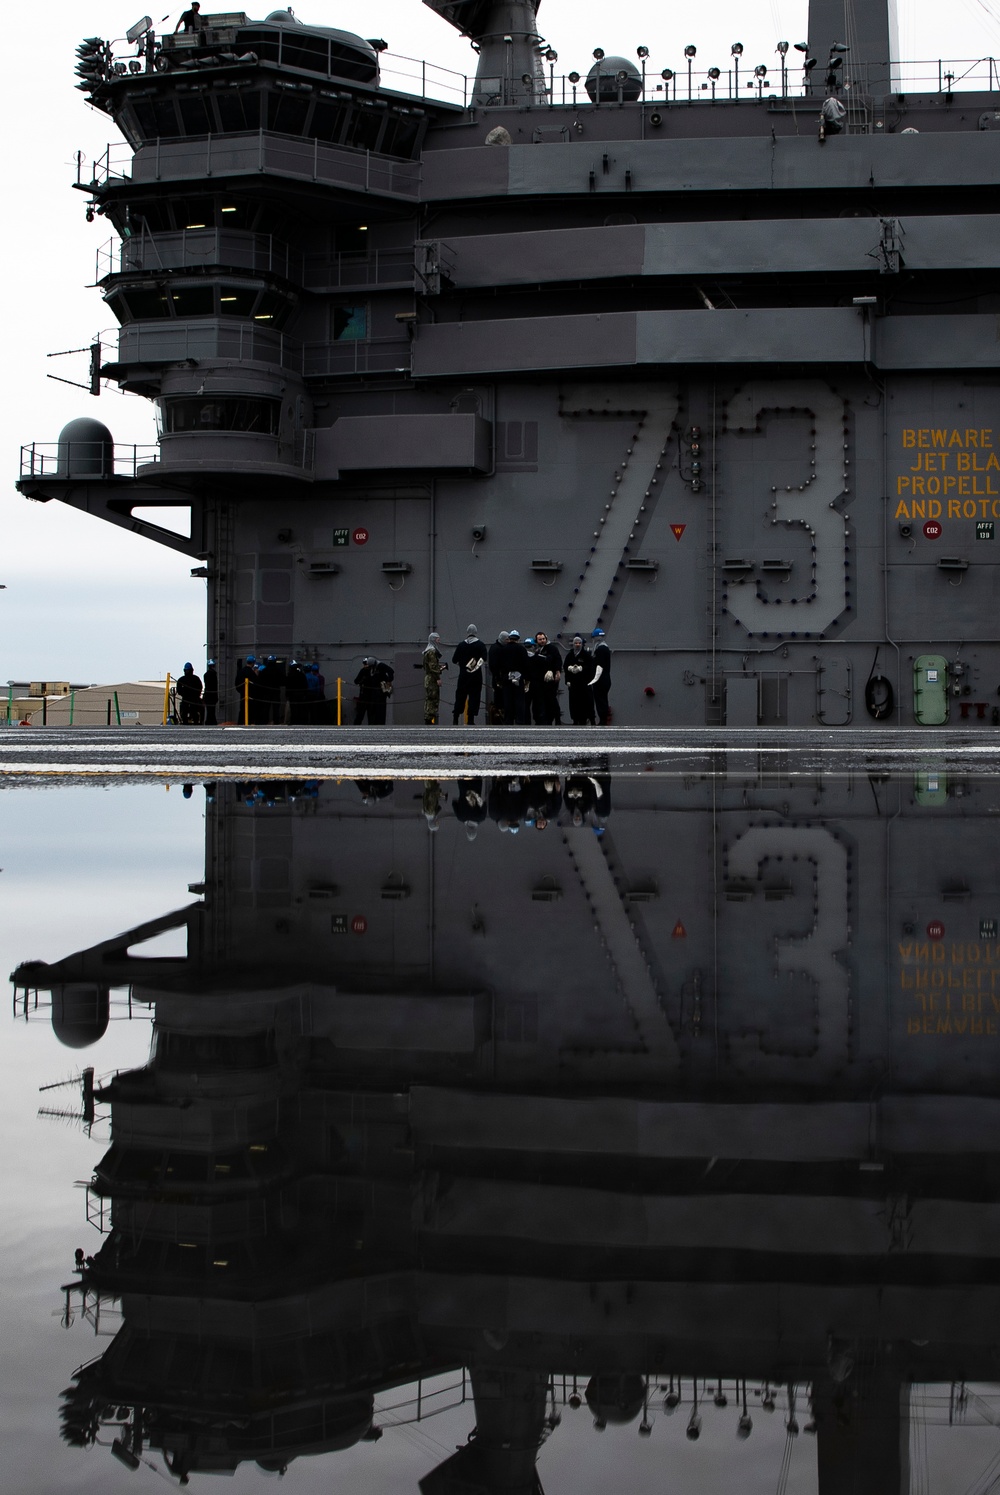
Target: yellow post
{"type": "Point", "coordinates": [246, 702]}
{"type": "Point", "coordinates": [339, 684]}
{"type": "Point", "coordinates": [166, 699]}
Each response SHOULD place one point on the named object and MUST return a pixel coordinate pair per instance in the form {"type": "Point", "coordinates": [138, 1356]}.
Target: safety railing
{"type": "Point", "coordinates": [416, 76]}
{"type": "Point", "coordinates": [81, 459]}
{"type": "Point", "coordinates": [111, 165]}
{"type": "Point", "coordinates": [187, 248]}
{"type": "Point", "coordinates": [345, 271]}
{"type": "Point", "coordinates": [256, 254]}
{"type": "Point", "coordinates": [679, 80]}
{"type": "Point", "coordinates": [426, 1397]}
{"type": "Point", "coordinates": [262, 151]}
{"type": "Point", "coordinates": [376, 356]}
{"type": "Point", "coordinates": [207, 338]}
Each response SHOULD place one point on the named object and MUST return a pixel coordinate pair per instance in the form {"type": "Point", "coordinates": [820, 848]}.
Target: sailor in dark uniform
{"type": "Point", "coordinates": [601, 683]}
{"type": "Point", "coordinates": [374, 682]}
{"type": "Point", "coordinates": [471, 658]}
{"type": "Point", "coordinates": [578, 668]}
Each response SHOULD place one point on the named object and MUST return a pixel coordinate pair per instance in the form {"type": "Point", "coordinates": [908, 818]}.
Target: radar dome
{"type": "Point", "coordinates": [611, 71]}
{"type": "Point", "coordinates": [616, 1399]}
{"type": "Point", "coordinates": [80, 1013]}
{"type": "Point", "coordinates": [86, 450]}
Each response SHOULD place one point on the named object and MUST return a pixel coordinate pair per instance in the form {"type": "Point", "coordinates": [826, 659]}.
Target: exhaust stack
{"type": "Point", "coordinates": [870, 31]}
{"type": "Point", "coordinates": [505, 34]}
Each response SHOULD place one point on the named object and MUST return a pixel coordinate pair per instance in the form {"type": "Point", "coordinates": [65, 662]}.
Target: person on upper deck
{"type": "Point", "coordinates": [190, 19]}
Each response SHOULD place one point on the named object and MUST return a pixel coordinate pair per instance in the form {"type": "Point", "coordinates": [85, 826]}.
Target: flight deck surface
{"type": "Point", "coordinates": [240, 752]}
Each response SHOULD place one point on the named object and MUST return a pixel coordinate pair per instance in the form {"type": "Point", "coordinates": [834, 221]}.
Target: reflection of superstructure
{"type": "Point", "coordinates": [702, 1085]}
{"type": "Point", "coordinates": [592, 349]}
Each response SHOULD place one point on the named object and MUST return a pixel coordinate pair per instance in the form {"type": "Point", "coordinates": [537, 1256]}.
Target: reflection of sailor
{"type": "Point", "coordinates": [373, 789]}
{"type": "Point", "coordinates": [544, 799]}
{"type": "Point", "coordinates": [469, 803]}
{"type": "Point", "coordinates": [580, 794]}
{"type": "Point", "coordinates": [602, 801]}
{"type": "Point", "coordinates": [433, 798]}
{"type": "Point", "coordinates": [508, 802]}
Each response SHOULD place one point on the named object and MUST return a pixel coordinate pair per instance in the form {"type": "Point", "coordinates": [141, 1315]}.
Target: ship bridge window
{"type": "Point", "coordinates": [328, 121]}
{"type": "Point", "coordinates": [224, 413]}
{"type": "Point", "coordinates": [270, 308]}
{"type": "Point", "coordinates": [400, 138]}
{"type": "Point", "coordinates": [238, 109]}
{"type": "Point", "coordinates": [193, 301]}
{"type": "Point", "coordinates": [310, 52]}
{"type": "Point", "coordinates": [264, 43]}
{"type": "Point", "coordinates": [237, 301]}
{"type": "Point", "coordinates": [286, 112]}
{"type": "Point", "coordinates": [195, 116]}
{"type": "Point", "coordinates": [350, 323]}
{"type": "Point", "coordinates": [200, 1051]}
{"type": "Point", "coordinates": [348, 62]}
{"type": "Point", "coordinates": [365, 128]}
{"type": "Point", "coordinates": [350, 240]}
{"type": "Point", "coordinates": [138, 304]}
{"type": "Point", "coordinates": [157, 117]}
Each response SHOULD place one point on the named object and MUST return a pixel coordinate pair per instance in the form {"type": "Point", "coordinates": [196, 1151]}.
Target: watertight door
{"type": "Point", "coordinates": [930, 690]}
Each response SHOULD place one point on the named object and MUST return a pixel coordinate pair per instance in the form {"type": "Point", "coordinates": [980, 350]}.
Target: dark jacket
{"type": "Point", "coordinates": [189, 686]}
{"type": "Point", "coordinates": [517, 659]}
{"type": "Point", "coordinates": [602, 657]}
{"type": "Point", "coordinates": [211, 693]}
{"type": "Point", "coordinates": [576, 677]}
{"type": "Point", "coordinates": [498, 656]}
{"type": "Point", "coordinates": [467, 654]}
{"type": "Point", "coordinates": [296, 687]}
{"type": "Point", "coordinates": [371, 678]}
{"type": "Point", "coordinates": [550, 653]}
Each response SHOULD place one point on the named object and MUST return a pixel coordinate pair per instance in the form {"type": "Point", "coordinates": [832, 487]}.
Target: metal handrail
{"type": "Point", "coordinates": [682, 86]}
{"type": "Point", "coordinates": [51, 459]}
{"type": "Point", "coordinates": [175, 341]}
{"type": "Point", "coordinates": [357, 356]}
{"type": "Point", "coordinates": [95, 460]}
{"type": "Point", "coordinates": [379, 267]}
{"type": "Point", "coordinates": [179, 249]}
{"type": "Point", "coordinates": [416, 77]}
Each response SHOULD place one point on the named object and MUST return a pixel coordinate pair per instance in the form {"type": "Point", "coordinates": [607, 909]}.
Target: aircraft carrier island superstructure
{"type": "Point", "coordinates": [593, 350]}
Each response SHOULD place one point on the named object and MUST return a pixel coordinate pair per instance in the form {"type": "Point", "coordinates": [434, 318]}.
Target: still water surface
{"type": "Point", "coordinates": [587, 1114]}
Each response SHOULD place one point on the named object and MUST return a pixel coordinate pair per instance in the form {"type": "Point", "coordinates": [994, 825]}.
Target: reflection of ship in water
{"type": "Point", "coordinates": [700, 1087]}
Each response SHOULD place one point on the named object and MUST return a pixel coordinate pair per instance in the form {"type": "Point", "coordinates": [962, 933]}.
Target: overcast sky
{"type": "Point", "coordinates": [87, 601]}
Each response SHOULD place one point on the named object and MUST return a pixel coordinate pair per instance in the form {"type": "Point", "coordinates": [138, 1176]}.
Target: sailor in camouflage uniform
{"type": "Point", "coordinates": [433, 667]}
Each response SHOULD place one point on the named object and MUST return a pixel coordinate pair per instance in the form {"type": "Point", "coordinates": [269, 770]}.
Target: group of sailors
{"type": "Point", "coordinates": [273, 693]}
{"type": "Point", "coordinates": [526, 677]}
